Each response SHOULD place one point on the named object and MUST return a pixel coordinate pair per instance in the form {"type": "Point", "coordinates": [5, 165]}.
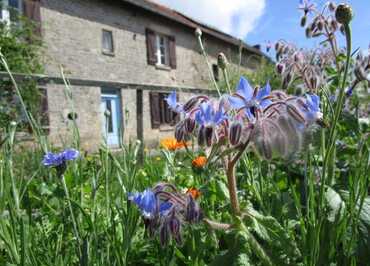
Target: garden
{"type": "Point", "coordinates": [273, 170]}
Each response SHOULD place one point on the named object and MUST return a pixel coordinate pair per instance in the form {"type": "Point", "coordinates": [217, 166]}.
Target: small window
{"type": "Point", "coordinates": [162, 50]}
{"type": "Point", "coordinates": [215, 72]}
{"type": "Point", "coordinates": [107, 42]}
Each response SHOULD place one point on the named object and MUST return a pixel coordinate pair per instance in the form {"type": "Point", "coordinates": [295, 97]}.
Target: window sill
{"type": "Point", "coordinates": [163, 67]}
{"type": "Point", "coordinates": [108, 53]}
{"type": "Point", "coordinates": [165, 128]}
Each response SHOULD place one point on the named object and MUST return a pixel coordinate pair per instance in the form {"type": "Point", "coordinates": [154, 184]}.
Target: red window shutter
{"type": "Point", "coordinates": [151, 47]}
{"type": "Point", "coordinates": [172, 51]}
{"type": "Point", "coordinates": [155, 113]}
{"type": "Point", "coordinates": [31, 9]}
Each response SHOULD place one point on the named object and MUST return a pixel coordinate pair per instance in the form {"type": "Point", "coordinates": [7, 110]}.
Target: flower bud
{"type": "Point", "coordinates": [179, 132]}
{"type": "Point", "coordinates": [201, 136]}
{"type": "Point", "coordinates": [297, 57]}
{"type": "Point", "coordinates": [308, 32]}
{"type": "Point", "coordinates": [235, 133]}
{"type": "Point", "coordinates": [334, 25]}
{"type": "Point", "coordinates": [332, 6]}
{"type": "Point", "coordinates": [280, 68]}
{"type": "Point", "coordinates": [175, 228]}
{"type": "Point", "coordinates": [320, 25]}
{"type": "Point", "coordinates": [344, 14]}
{"type": "Point", "coordinates": [190, 104]}
{"type": "Point", "coordinates": [303, 21]}
{"type": "Point", "coordinates": [208, 135]}
{"type": "Point", "coordinates": [277, 46]}
{"type": "Point", "coordinates": [164, 235]}
{"type": "Point", "coordinates": [13, 124]}
{"type": "Point", "coordinates": [198, 32]}
{"type": "Point", "coordinates": [222, 61]}
{"type": "Point", "coordinates": [189, 125]}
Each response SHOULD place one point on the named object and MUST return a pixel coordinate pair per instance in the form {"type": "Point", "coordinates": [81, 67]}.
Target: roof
{"type": "Point", "coordinates": [192, 23]}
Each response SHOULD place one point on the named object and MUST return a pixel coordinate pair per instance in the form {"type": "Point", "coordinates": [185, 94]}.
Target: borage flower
{"type": "Point", "coordinates": [165, 210]}
{"type": "Point", "coordinates": [249, 99]}
{"type": "Point", "coordinates": [209, 117]}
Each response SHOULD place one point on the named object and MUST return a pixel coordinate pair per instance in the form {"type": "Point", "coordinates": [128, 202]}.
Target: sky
{"type": "Point", "coordinates": [259, 21]}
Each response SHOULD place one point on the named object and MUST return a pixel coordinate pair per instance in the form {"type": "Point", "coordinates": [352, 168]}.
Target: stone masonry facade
{"type": "Point", "coordinates": [72, 36]}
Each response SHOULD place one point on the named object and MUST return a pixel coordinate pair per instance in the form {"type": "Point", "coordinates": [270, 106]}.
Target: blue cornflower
{"type": "Point", "coordinates": [59, 159]}
{"type": "Point", "coordinates": [208, 116]}
{"type": "Point", "coordinates": [172, 102]}
{"type": "Point", "coordinates": [250, 99]}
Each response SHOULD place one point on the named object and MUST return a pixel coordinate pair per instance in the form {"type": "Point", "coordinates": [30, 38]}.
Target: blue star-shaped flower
{"type": "Point", "coordinates": [146, 202]}
{"type": "Point", "coordinates": [250, 99]}
{"type": "Point", "coordinates": [207, 116]}
{"type": "Point", "coordinates": [172, 102]}
{"type": "Point", "coordinates": [57, 159]}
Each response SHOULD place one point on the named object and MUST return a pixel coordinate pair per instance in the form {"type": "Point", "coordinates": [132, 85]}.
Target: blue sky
{"type": "Point", "coordinates": [281, 21]}
{"type": "Point", "coordinates": [257, 21]}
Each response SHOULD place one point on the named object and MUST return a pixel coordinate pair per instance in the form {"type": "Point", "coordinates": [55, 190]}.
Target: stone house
{"type": "Point", "coordinates": [121, 59]}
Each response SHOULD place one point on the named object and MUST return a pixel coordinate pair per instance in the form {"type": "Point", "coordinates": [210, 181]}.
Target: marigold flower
{"type": "Point", "coordinates": [172, 144]}
{"type": "Point", "coordinates": [199, 162]}
{"type": "Point", "coordinates": [195, 193]}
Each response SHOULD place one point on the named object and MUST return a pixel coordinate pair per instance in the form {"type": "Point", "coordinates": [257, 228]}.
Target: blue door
{"type": "Point", "coordinates": [111, 117]}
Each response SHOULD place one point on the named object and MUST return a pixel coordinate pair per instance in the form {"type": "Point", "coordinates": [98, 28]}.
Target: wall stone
{"type": "Point", "coordinates": [86, 104]}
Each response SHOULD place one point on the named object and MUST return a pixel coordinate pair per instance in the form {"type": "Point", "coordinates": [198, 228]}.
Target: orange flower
{"type": "Point", "coordinates": [172, 144]}
{"type": "Point", "coordinates": [195, 193]}
{"type": "Point", "coordinates": [199, 162]}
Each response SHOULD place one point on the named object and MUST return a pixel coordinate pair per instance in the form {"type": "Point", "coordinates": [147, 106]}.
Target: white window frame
{"type": "Point", "coordinates": [159, 54]}
{"type": "Point", "coordinates": [5, 13]}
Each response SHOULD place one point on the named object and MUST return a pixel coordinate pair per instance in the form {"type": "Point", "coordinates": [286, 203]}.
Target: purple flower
{"type": "Point", "coordinates": [59, 159]}
{"type": "Point", "coordinates": [250, 99]}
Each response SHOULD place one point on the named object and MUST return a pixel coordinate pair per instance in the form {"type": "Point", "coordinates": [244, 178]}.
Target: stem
{"type": "Point", "coordinates": [209, 65]}
{"type": "Point", "coordinates": [231, 182]}
{"type": "Point", "coordinates": [224, 71]}
{"type": "Point", "coordinates": [338, 110]}
{"type": "Point", "coordinates": [72, 215]}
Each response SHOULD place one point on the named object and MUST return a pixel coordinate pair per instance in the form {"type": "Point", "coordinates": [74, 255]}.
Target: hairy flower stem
{"type": "Point", "coordinates": [226, 77]}
{"type": "Point", "coordinates": [75, 230]}
{"type": "Point", "coordinates": [331, 142]}
{"type": "Point", "coordinates": [208, 64]}
{"type": "Point", "coordinates": [231, 182]}
{"type": "Point", "coordinates": [231, 179]}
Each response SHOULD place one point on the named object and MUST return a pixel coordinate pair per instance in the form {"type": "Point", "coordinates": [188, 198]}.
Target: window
{"type": "Point", "coordinates": [10, 10]}
{"type": "Point", "coordinates": [107, 42]}
{"type": "Point", "coordinates": [161, 114]}
{"type": "Point", "coordinates": [215, 72]}
{"type": "Point", "coordinates": [161, 49]}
